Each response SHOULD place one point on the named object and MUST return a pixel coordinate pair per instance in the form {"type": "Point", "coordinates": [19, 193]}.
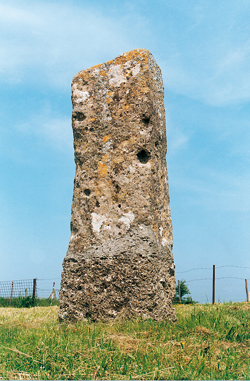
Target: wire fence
{"type": "Point", "coordinates": [36, 288]}
{"type": "Point", "coordinates": [46, 286]}
{"type": "Point", "coordinates": [16, 288]}
{"type": "Point", "coordinates": [213, 278]}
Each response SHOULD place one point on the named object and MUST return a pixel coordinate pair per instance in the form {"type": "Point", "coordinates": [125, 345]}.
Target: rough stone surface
{"type": "Point", "coordinates": [119, 262]}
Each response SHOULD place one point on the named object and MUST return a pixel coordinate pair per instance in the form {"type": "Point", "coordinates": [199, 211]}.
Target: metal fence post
{"type": "Point", "coordinates": [34, 290]}
{"type": "Point", "coordinates": [11, 292]}
{"type": "Point", "coordinates": [247, 290]}
{"type": "Point", "coordinates": [213, 284]}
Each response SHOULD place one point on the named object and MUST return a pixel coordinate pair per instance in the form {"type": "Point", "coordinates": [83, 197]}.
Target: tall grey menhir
{"type": "Point", "coordinates": [119, 262]}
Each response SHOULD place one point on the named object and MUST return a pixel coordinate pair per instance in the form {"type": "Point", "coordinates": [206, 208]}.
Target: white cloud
{"type": "Point", "coordinates": [13, 15]}
{"type": "Point", "coordinates": [51, 42]}
{"type": "Point", "coordinates": [213, 190]}
{"type": "Point", "coordinates": [57, 131]}
{"type": "Point", "coordinates": [209, 57]}
{"type": "Point", "coordinates": [206, 57]}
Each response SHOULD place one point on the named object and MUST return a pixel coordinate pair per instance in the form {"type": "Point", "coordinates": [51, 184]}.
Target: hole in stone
{"type": "Point", "coordinates": [116, 97]}
{"type": "Point", "coordinates": [77, 185]}
{"type": "Point", "coordinates": [143, 156]}
{"type": "Point", "coordinates": [146, 119]}
{"type": "Point", "coordinates": [87, 192]}
{"type": "Point", "coordinates": [117, 167]}
{"type": "Point", "coordinates": [156, 143]}
{"type": "Point", "coordinates": [91, 129]}
{"type": "Point", "coordinates": [119, 206]}
{"type": "Point", "coordinates": [78, 116]}
{"type": "Point", "coordinates": [117, 187]}
{"type": "Point", "coordinates": [86, 128]}
{"type": "Point", "coordinates": [73, 228]}
{"type": "Point", "coordinates": [97, 204]}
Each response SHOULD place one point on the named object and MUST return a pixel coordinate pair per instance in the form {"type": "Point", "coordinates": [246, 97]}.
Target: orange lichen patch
{"type": "Point", "coordinates": [110, 96]}
{"type": "Point", "coordinates": [105, 158]}
{"type": "Point", "coordinates": [164, 215]}
{"type": "Point", "coordinates": [103, 73]}
{"type": "Point", "coordinates": [105, 138]}
{"type": "Point", "coordinates": [102, 169]}
{"type": "Point", "coordinates": [137, 54]}
{"type": "Point", "coordinates": [85, 74]}
{"type": "Point", "coordinates": [140, 53]}
{"type": "Point", "coordinates": [92, 119]}
{"type": "Point", "coordinates": [96, 66]}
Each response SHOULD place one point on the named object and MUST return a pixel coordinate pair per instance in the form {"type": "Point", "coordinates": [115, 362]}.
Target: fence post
{"type": "Point", "coordinates": [179, 288]}
{"type": "Point", "coordinates": [11, 292]}
{"type": "Point", "coordinates": [34, 290]}
{"type": "Point", "coordinates": [247, 290]}
{"type": "Point", "coordinates": [213, 301]}
{"type": "Point", "coordinates": [53, 294]}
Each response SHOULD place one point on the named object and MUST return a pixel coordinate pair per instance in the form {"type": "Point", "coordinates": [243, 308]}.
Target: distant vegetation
{"type": "Point", "coordinates": [184, 293]}
{"type": "Point", "coordinates": [208, 342]}
{"type": "Point", "coordinates": [27, 302]}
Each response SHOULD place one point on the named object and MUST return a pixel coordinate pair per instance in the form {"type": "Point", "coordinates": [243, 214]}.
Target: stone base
{"type": "Point", "coordinates": [127, 278]}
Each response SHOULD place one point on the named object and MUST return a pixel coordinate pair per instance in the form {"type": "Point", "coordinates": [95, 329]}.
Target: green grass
{"type": "Point", "coordinates": [207, 342]}
{"type": "Point", "coordinates": [27, 302]}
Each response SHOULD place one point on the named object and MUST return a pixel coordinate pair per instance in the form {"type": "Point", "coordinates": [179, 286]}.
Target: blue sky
{"type": "Point", "coordinates": [203, 49]}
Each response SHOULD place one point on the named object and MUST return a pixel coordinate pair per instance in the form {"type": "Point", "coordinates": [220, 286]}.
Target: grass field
{"type": "Point", "coordinates": [207, 342]}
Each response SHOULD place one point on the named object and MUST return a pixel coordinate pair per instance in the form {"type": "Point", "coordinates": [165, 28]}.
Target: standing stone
{"type": "Point", "coordinates": [119, 262]}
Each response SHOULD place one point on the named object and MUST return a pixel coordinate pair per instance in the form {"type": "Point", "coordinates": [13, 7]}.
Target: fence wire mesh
{"type": "Point", "coordinates": [16, 288]}
{"type": "Point", "coordinates": [40, 288]}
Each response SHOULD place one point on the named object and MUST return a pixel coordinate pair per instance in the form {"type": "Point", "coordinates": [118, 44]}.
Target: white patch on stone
{"type": "Point", "coordinates": [127, 218]}
{"type": "Point", "coordinates": [72, 237]}
{"type": "Point", "coordinates": [142, 165]}
{"type": "Point", "coordinates": [107, 146]}
{"type": "Point", "coordinates": [164, 242]}
{"type": "Point", "coordinates": [107, 227]}
{"type": "Point", "coordinates": [132, 169]}
{"type": "Point", "coordinates": [161, 230]}
{"type": "Point", "coordinates": [97, 221]}
{"type": "Point", "coordinates": [95, 71]}
{"type": "Point", "coordinates": [81, 96]}
{"type": "Point", "coordinates": [127, 65]}
{"type": "Point", "coordinates": [116, 76]}
{"type": "Point", "coordinates": [136, 69]}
